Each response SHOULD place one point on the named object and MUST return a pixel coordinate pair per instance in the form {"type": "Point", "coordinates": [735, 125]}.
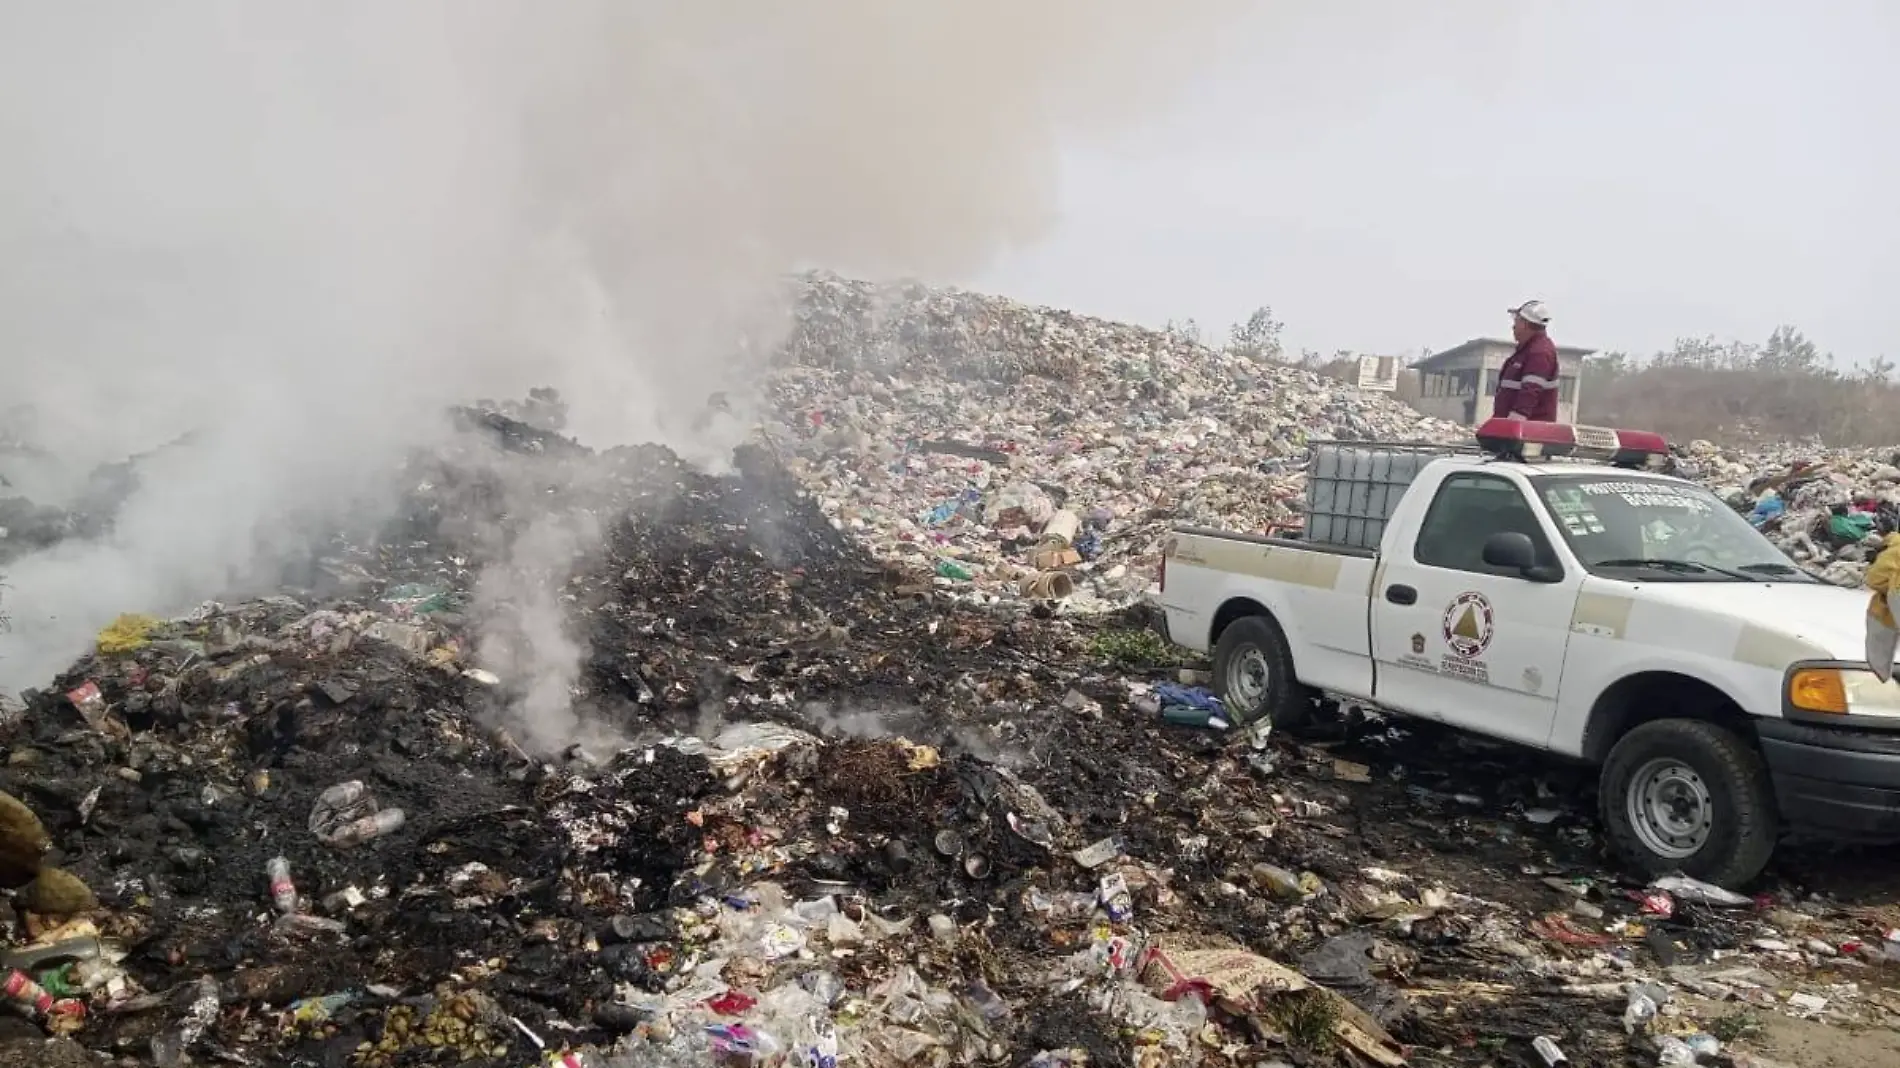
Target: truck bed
{"type": "Point", "coordinates": [1322, 591]}
{"type": "Point", "coordinates": [1284, 541]}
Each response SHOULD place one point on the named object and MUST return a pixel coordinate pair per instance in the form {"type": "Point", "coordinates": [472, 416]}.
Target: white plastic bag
{"type": "Point", "coordinates": [1881, 643]}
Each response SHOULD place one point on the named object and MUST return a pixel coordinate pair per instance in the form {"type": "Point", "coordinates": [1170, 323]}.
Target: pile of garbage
{"type": "Point", "coordinates": [1033, 454]}
{"type": "Point", "coordinates": [1828, 510]}
{"type": "Point", "coordinates": [306, 828]}
{"type": "Point", "coordinates": [810, 814]}
{"type": "Point", "coordinates": [593, 759]}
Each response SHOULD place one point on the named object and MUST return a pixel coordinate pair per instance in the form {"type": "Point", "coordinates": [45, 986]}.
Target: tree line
{"type": "Point", "coordinates": [1783, 389]}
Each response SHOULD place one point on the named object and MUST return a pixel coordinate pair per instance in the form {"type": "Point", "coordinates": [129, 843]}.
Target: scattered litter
{"type": "Point", "coordinates": [1695, 890]}
{"type": "Point", "coordinates": [835, 776]}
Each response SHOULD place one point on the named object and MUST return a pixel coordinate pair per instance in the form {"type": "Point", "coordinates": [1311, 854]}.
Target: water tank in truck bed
{"type": "Point", "coordinates": [1352, 488]}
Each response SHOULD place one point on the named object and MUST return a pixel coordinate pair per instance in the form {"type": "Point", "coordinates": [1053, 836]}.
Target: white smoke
{"type": "Point", "coordinates": [301, 228]}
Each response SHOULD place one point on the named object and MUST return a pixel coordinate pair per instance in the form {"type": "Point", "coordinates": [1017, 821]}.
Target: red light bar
{"type": "Point", "coordinates": [1523, 439]}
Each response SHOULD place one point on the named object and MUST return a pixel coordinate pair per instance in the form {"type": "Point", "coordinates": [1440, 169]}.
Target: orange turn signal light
{"type": "Point", "coordinates": [1818, 690]}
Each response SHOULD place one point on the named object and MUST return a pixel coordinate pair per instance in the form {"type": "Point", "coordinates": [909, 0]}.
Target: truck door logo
{"type": "Point", "coordinates": [1418, 645]}
{"type": "Point", "coordinates": [1467, 624]}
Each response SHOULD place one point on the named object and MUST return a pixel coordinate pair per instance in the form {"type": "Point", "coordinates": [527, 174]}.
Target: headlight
{"type": "Point", "coordinates": [1839, 691]}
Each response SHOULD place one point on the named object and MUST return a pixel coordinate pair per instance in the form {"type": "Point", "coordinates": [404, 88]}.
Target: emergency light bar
{"type": "Point", "coordinates": [1523, 439]}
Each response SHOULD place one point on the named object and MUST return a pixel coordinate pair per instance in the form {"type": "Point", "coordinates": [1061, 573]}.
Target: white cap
{"type": "Point", "coordinates": [1535, 312]}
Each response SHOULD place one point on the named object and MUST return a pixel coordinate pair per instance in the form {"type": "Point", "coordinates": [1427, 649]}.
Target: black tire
{"type": "Point", "coordinates": [1251, 646]}
{"type": "Point", "coordinates": [1724, 812]}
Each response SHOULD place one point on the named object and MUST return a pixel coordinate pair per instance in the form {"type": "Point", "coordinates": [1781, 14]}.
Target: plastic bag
{"type": "Point", "coordinates": [1645, 1001]}
{"type": "Point", "coordinates": [1020, 504]}
{"type": "Point", "coordinates": [1672, 1052]}
{"type": "Point", "coordinates": [1881, 643]}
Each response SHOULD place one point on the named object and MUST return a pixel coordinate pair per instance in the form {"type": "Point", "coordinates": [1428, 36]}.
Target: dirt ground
{"type": "Point", "coordinates": [1810, 1043]}
{"type": "Point", "coordinates": [1452, 805]}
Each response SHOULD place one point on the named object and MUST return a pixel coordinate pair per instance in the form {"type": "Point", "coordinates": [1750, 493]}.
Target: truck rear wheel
{"type": "Point", "coordinates": [1684, 795]}
{"type": "Point", "coordinates": [1253, 674]}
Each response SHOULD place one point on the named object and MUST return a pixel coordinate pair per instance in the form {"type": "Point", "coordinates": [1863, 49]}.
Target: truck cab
{"type": "Point", "coordinates": [1599, 610]}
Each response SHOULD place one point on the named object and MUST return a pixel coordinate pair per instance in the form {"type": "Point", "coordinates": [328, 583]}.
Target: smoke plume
{"type": "Point", "coordinates": [300, 228]}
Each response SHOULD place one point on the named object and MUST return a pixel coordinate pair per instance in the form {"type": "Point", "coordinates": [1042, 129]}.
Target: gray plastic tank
{"type": "Point", "coordinates": [1351, 490]}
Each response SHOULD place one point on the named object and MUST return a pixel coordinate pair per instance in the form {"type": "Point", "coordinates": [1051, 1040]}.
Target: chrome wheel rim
{"type": "Point", "coordinates": [1247, 679]}
{"type": "Point", "coordinates": [1670, 808]}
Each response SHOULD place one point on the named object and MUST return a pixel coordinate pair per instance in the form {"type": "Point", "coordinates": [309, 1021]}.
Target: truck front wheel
{"type": "Point", "coordinates": [1684, 795]}
{"type": "Point", "coordinates": [1253, 674]}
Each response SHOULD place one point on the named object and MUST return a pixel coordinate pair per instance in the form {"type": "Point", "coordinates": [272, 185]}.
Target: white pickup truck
{"type": "Point", "coordinates": [1601, 611]}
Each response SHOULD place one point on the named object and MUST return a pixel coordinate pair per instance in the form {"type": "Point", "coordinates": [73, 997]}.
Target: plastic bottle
{"type": "Point", "coordinates": [1277, 881]}
{"type": "Point", "coordinates": [304, 923]}
{"type": "Point", "coordinates": [283, 893]}
{"type": "Point", "coordinates": [343, 794]}
{"type": "Point", "coordinates": [369, 827]}
{"type": "Point", "coordinates": [21, 989]}
{"type": "Point", "coordinates": [950, 569]}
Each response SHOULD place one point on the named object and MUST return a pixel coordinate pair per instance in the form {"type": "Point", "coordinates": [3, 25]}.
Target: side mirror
{"type": "Point", "coordinates": [1511, 551]}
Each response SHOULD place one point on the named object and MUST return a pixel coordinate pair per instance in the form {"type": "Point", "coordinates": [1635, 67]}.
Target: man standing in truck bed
{"type": "Point", "coordinates": [1527, 384]}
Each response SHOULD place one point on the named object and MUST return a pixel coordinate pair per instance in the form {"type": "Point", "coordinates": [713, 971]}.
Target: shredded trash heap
{"type": "Point", "coordinates": [949, 430]}
{"type": "Point", "coordinates": [589, 758]}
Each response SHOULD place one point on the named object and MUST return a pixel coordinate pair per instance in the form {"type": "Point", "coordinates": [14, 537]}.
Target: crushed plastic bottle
{"type": "Point", "coordinates": [304, 923]}
{"type": "Point", "coordinates": [356, 832]}
{"type": "Point", "coordinates": [1699, 892]}
{"type": "Point", "coordinates": [347, 813]}
{"type": "Point", "coordinates": [1278, 881]}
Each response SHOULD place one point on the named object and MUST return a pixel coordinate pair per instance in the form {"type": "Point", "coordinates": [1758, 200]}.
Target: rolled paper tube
{"type": "Point", "coordinates": [1048, 586]}
{"type": "Point", "coordinates": [1060, 531]}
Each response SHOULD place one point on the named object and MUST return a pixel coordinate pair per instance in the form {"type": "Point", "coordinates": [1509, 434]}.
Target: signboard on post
{"type": "Point", "coordinates": [1379, 374]}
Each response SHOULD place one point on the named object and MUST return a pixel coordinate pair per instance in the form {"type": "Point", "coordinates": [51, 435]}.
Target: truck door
{"type": "Point", "coordinates": [1460, 641]}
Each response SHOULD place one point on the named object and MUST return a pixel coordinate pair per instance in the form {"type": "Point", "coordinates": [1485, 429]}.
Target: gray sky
{"type": "Point", "coordinates": [1389, 176]}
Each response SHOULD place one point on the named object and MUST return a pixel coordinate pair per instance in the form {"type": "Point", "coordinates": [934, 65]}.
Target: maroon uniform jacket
{"type": "Point", "coordinates": [1527, 384]}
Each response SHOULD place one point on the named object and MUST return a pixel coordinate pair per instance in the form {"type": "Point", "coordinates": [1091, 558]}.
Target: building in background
{"type": "Point", "coordinates": [1458, 383]}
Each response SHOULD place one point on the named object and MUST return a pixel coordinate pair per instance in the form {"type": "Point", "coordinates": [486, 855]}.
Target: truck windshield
{"type": "Point", "coordinates": [1660, 531]}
